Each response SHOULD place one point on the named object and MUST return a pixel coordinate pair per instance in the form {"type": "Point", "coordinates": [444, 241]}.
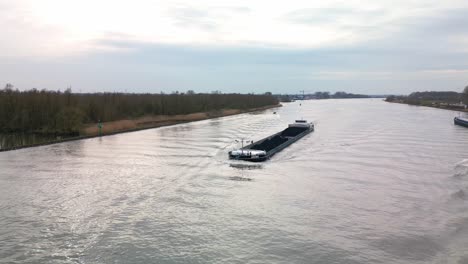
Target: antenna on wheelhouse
{"type": "Point", "coordinates": [242, 143]}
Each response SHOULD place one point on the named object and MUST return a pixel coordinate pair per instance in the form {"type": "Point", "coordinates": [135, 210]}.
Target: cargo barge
{"type": "Point", "coordinates": [269, 146]}
{"type": "Point", "coordinates": [461, 121]}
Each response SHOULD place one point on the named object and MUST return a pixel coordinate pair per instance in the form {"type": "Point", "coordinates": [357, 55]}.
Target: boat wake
{"type": "Point", "coordinates": [461, 176]}
{"type": "Point", "coordinates": [246, 166]}
{"type": "Point", "coordinates": [239, 178]}
{"type": "Point", "coordinates": [459, 195]}
{"type": "Point", "coordinates": [461, 169]}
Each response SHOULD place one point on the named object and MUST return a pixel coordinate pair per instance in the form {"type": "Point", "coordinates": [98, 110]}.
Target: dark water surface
{"type": "Point", "coordinates": [376, 183]}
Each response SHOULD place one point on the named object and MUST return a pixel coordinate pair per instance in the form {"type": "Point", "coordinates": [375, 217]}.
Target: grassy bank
{"type": "Point", "coordinates": [147, 122]}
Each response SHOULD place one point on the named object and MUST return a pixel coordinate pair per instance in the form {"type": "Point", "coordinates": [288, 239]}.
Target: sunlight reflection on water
{"type": "Point", "coordinates": [376, 182]}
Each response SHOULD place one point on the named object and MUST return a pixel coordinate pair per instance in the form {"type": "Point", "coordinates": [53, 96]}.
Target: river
{"type": "Point", "coordinates": [375, 183]}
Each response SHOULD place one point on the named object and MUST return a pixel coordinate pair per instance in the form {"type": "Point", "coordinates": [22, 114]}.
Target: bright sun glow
{"type": "Point", "coordinates": [67, 26]}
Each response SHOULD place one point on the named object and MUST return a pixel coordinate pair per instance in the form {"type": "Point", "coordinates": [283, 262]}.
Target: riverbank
{"type": "Point", "coordinates": [432, 106]}
{"type": "Point", "coordinates": [146, 122]}
{"type": "Point", "coordinates": [447, 100]}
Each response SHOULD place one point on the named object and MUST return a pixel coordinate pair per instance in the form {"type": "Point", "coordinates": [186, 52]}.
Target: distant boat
{"type": "Point", "coordinates": [267, 147]}
{"type": "Point", "coordinates": [461, 121]}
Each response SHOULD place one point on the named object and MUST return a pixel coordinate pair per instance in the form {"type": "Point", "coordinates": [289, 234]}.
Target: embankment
{"type": "Point", "coordinates": [146, 122]}
{"type": "Point", "coordinates": [432, 106]}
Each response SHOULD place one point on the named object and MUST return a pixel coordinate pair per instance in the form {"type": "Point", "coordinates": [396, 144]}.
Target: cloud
{"type": "Point", "coordinates": [19, 33]}
{"type": "Point", "coordinates": [208, 18]}
{"type": "Point", "coordinates": [364, 47]}
{"type": "Point", "coordinates": [186, 16]}
{"type": "Point", "coordinates": [389, 75]}
{"type": "Point", "coordinates": [332, 15]}
{"type": "Point", "coordinates": [153, 67]}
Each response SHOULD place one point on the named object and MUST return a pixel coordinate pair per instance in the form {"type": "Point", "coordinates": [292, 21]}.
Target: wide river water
{"type": "Point", "coordinates": [375, 183]}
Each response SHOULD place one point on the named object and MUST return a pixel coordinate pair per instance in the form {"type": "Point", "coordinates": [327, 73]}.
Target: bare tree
{"type": "Point", "coordinates": [465, 95]}
{"type": "Point", "coordinates": [9, 86]}
{"type": "Point", "coordinates": [58, 112]}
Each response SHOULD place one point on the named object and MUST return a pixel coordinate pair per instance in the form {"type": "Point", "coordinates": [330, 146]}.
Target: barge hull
{"type": "Point", "coordinates": [460, 122]}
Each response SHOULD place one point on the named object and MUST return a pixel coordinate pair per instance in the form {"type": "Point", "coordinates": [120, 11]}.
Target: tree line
{"type": "Point", "coordinates": [56, 112]}
{"type": "Point", "coordinates": [338, 95]}
{"type": "Point", "coordinates": [319, 95]}
{"type": "Point", "coordinates": [432, 98]}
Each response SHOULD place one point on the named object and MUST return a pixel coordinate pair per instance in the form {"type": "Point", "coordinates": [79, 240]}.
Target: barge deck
{"type": "Point", "coordinates": [269, 146]}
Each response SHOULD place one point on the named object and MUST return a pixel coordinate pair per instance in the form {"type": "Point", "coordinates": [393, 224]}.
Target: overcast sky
{"type": "Point", "coordinates": [372, 47]}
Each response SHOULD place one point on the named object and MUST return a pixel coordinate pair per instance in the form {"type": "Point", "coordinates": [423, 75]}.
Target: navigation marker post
{"type": "Point", "coordinates": [99, 125]}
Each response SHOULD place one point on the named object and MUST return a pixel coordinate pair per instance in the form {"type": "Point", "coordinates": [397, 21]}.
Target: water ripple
{"type": "Point", "coordinates": [375, 183]}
